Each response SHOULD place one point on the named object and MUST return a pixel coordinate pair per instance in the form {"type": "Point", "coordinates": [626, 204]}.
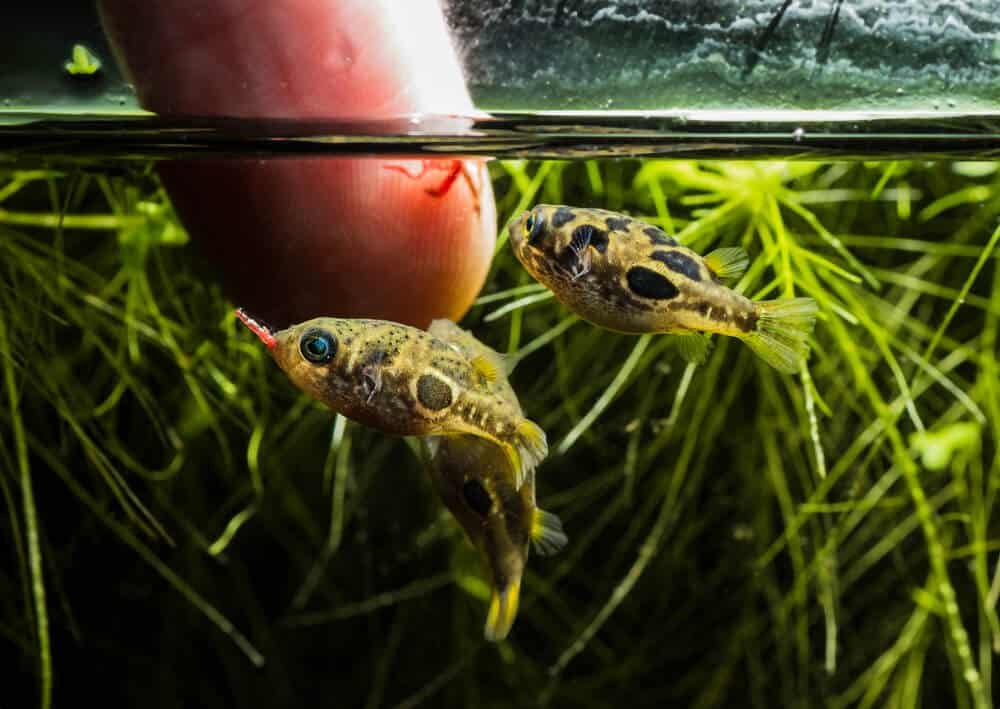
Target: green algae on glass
{"type": "Point", "coordinates": [183, 525]}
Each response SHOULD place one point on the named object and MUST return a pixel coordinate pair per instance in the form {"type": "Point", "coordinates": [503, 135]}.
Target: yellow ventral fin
{"type": "Point", "coordinates": [503, 610]}
{"type": "Point", "coordinates": [547, 535]}
{"type": "Point", "coordinates": [728, 264]}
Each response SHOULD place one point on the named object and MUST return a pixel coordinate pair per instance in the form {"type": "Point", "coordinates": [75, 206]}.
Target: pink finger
{"type": "Point", "coordinates": [298, 238]}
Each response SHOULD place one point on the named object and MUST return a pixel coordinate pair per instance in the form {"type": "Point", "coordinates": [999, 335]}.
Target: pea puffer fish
{"type": "Point", "coordinates": [472, 476]}
{"type": "Point", "coordinates": [629, 276]}
{"type": "Point", "coordinates": [403, 381]}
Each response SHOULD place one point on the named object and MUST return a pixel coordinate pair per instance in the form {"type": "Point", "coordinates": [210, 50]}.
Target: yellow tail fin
{"type": "Point", "coordinates": [503, 610]}
{"type": "Point", "coordinates": [547, 535]}
{"type": "Point", "coordinates": [783, 330]}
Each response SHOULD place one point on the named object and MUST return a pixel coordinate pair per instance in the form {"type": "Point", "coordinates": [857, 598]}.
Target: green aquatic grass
{"type": "Point", "coordinates": [184, 527]}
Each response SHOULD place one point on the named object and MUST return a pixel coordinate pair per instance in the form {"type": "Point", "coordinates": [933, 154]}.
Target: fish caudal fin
{"type": "Point", "coordinates": [503, 610]}
{"type": "Point", "coordinates": [528, 450]}
{"type": "Point", "coordinates": [547, 535]}
{"type": "Point", "coordinates": [728, 264]}
{"type": "Point", "coordinates": [783, 329]}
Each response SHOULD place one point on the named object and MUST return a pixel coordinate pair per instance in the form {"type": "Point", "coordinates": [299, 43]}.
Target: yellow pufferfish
{"type": "Point", "coordinates": [404, 381]}
{"type": "Point", "coordinates": [629, 276]}
{"type": "Point", "coordinates": [472, 476]}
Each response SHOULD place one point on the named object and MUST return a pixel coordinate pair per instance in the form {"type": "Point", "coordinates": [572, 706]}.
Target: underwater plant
{"type": "Point", "coordinates": [184, 526]}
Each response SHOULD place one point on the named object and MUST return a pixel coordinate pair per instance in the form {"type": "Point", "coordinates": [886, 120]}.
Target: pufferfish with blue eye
{"type": "Point", "coordinates": [629, 276]}
{"type": "Point", "coordinates": [472, 476]}
{"type": "Point", "coordinates": [405, 381]}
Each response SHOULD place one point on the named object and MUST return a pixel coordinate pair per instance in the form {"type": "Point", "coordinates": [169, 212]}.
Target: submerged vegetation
{"type": "Point", "coordinates": [181, 525]}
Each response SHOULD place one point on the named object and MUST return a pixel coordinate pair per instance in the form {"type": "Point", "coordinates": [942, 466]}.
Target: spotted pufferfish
{"type": "Point", "coordinates": [629, 276]}
{"type": "Point", "coordinates": [472, 476]}
{"type": "Point", "coordinates": [405, 381]}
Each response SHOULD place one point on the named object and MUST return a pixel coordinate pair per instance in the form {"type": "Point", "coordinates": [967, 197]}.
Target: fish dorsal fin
{"type": "Point", "coordinates": [487, 361]}
{"type": "Point", "coordinates": [693, 347]}
{"type": "Point", "coordinates": [729, 263]}
{"type": "Point", "coordinates": [486, 366]}
{"type": "Point", "coordinates": [547, 535]}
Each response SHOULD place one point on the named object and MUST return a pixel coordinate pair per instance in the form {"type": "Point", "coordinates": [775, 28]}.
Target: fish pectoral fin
{"type": "Point", "coordinates": [503, 611]}
{"type": "Point", "coordinates": [729, 263]}
{"type": "Point", "coordinates": [693, 347]}
{"type": "Point", "coordinates": [371, 381]}
{"type": "Point", "coordinates": [547, 535]}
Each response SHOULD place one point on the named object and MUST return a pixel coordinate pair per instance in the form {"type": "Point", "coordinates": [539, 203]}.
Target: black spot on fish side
{"type": "Point", "coordinates": [747, 322]}
{"type": "Point", "coordinates": [650, 284]}
{"type": "Point", "coordinates": [476, 497]}
{"type": "Point", "coordinates": [659, 237]}
{"type": "Point", "coordinates": [514, 515]}
{"type": "Point", "coordinates": [679, 263]}
{"type": "Point", "coordinates": [618, 223]}
{"type": "Point", "coordinates": [433, 393]}
{"type": "Point", "coordinates": [587, 235]}
{"type": "Point", "coordinates": [563, 216]}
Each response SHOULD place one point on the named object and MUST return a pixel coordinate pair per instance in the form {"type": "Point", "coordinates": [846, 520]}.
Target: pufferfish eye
{"type": "Point", "coordinates": [318, 346]}
{"type": "Point", "coordinates": [533, 228]}
{"type": "Point", "coordinates": [476, 497]}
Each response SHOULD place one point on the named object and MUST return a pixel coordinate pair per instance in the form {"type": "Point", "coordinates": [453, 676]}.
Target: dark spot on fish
{"type": "Point", "coordinates": [650, 284]}
{"type": "Point", "coordinates": [514, 514]}
{"type": "Point", "coordinates": [476, 497]}
{"type": "Point", "coordinates": [563, 215]}
{"type": "Point", "coordinates": [659, 237]}
{"type": "Point", "coordinates": [618, 223]}
{"type": "Point", "coordinates": [747, 322]}
{"type": "Point", "coordinates": [586, 235]}
{"type": "Point", "coordinates": [679, 263]}
{"type": "Point", "coordinates": [433, 393]}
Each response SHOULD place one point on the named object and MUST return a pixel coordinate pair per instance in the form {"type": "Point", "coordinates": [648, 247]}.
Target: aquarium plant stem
{"type": "Point", "coordinates": [30, 522]}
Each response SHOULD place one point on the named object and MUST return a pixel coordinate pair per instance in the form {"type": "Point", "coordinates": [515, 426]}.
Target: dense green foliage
{"type": "Point", "coordinates": [182, 527]}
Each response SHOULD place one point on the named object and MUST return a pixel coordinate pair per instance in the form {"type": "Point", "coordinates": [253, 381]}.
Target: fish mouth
{"type": "Point", "coordinates": [265, 333]}
{"type": "Point", "coordinates": [514, 229]}
{"type": "Point", "coordinates": [503, 611]}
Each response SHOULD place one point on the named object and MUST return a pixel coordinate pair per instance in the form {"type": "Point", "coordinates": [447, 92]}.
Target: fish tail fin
{"type": "Point", "coordinates": [528, 450]}
{"type": "Point", "coordinates": [547, 535]}
{"type": "Point", "coordinates": [503, 610]}
{"type": "Point", "coordinates": [783, 330]}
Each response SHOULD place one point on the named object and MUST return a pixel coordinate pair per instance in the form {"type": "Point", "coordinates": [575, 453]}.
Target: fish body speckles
{"type": "Point", "coordinates": [635, 278]}
{"type": "Point", "coordinates": [404, 381]}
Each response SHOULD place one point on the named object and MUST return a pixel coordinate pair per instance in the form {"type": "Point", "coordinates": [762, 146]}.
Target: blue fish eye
{"type": "Point", "coordinates": [318, 346]}
{"type": "Point", "coordinates": [534, 228]}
